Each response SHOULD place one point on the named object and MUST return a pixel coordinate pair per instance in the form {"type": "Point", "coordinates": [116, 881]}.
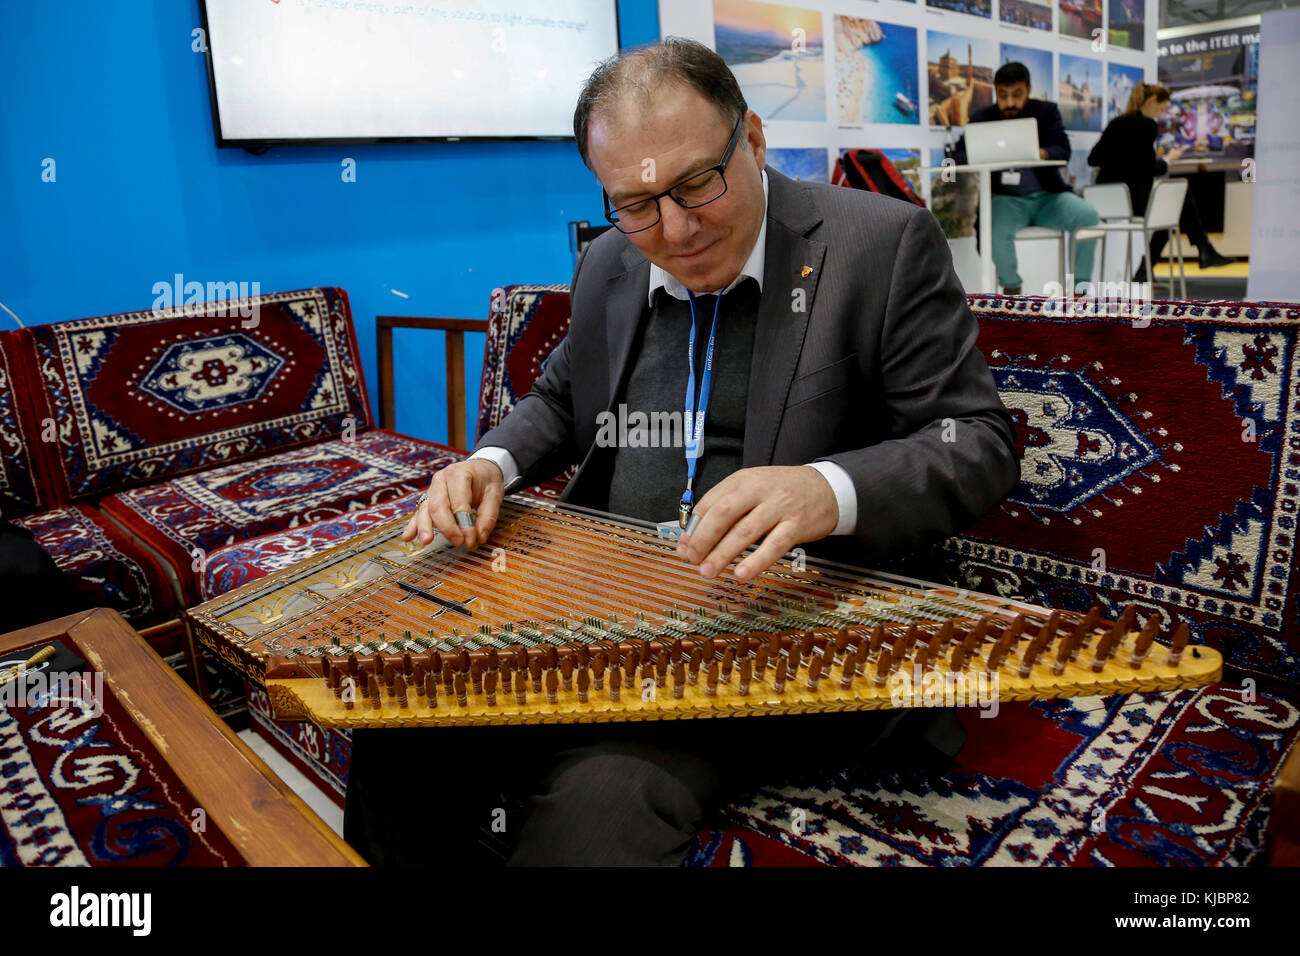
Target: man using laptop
{"type": "Point", "coordinates": [1031, 196]}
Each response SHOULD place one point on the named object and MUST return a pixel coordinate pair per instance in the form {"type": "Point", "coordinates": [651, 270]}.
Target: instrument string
{"type": "Point", "coordinates": [581, 557]}
{"type": "Point", "coordinates": [837, 584]}
{"type": "Point", "coordinates": [845, 580]}
{"type": "Point", "coordinates": [641, 551]}
{"type": "Point", "coordinates": [491, 584]}
{"type": "Point", "coordinates": [650, 598]}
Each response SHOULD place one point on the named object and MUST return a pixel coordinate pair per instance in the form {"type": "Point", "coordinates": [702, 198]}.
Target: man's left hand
{"type": "Point", "coordinates": [788, 504]}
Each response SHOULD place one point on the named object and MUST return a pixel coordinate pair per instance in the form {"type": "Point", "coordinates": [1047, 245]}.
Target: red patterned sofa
{"type": "Point", "coordinates": [1160, 467]}
{"type": "Point", "coordinates": [134, 445]}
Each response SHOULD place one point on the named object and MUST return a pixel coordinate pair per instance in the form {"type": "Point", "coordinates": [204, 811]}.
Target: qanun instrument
{"type": "Point", "coordinates": [571, 615]}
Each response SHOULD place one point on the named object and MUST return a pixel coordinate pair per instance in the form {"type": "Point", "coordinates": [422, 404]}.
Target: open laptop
{"type": "Point", "coordinates": [1002, 141]}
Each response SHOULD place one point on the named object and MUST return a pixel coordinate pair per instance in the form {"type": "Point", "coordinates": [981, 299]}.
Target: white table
{"type": "Point", "coordinates": [988, 277]}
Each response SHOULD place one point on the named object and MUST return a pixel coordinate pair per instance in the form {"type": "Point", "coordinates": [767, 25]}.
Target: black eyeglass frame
{"type": "Point", "coordinates": [721, 167]}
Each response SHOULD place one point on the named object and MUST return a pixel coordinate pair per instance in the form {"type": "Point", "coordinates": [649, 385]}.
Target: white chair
{"type": "Point", "coordinates": [1163, 210]}
{"type": "Point", "coordinates": [1111, 200]}
{"type": "Point", "coordinates": [1113, 203]}
{"type": "Point", "coordinates": [1042, 232]}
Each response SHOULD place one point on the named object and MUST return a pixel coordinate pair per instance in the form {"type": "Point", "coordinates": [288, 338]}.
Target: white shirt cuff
{"type": "Point", "coordinates": [502, 459]}
{"type": "Point", "coordinates": [845, 495]}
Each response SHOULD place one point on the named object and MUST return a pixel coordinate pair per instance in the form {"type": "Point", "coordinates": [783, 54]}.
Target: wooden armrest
{"type": "Point", "coordinates": [454, 331]}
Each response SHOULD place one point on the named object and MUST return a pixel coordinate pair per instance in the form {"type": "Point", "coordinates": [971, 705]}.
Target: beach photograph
{"type": "Point", "coordinates": [1120, 80]}
{"type": "Point", "coordinates": [1127, 24]}
{"type": "Point", "coordinates": [777, 55]}
{"type": "Point", "coordinates": [1080, 17]}
{"type": "Point", "coordinates": [960, 74]}
{"type": "Point", "coordinates": [1079, 92]}
{"type": "Point", "coordinates": [974, 8]}
{"type": "Point", "coordinates": [1026, 13]}
{"type": "Point", "coordinates": [876, 72]}
{"type": "Point", "coordinates": [1039, 63]}
{"type": "Point", "coordinates": [811, 164]}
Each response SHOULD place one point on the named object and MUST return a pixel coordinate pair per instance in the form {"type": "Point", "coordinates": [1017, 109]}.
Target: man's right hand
{"type": "Point", "coordinates": [474, 484]}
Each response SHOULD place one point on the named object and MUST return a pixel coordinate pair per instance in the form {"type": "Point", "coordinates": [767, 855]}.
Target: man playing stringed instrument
{"type": "Point", "coordinates": [833, 394]}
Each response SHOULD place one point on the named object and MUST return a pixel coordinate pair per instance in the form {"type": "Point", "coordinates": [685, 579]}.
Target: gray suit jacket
{"type": "Point", "coordinates": [868, 361]}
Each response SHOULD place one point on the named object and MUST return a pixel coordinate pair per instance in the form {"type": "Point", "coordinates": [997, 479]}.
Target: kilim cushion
{"type": "Point", "coordinates": [233, 503]}
{"type": "Point", "coordinates": [139, 397]}
{"type": "Point", "coordinates": [19, 491]}
{"type": "Point", "coordinates": [1161, 466]}
{"type": "Point", "coordinates": [525, 325]}
{"type": "Point", "coordinates": [103, 562]}
{"type": "Point", "coordinates": [1168, 779]}
{"type": "Point", "coordinates": [229, 567]}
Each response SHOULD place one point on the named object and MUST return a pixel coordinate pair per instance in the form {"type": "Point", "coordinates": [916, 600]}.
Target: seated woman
{"type": "Point", "coordinates": [1126, 153]}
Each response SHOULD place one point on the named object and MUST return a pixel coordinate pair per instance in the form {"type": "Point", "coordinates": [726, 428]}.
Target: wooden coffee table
{"type": "Point", "coordinates": [266, 822]}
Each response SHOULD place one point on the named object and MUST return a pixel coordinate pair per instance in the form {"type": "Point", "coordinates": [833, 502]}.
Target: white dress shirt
{"type": "Point", "coordinates": [839, 480]}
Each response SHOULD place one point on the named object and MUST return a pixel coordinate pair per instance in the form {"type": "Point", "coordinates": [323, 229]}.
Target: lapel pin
{"type": "Point", "coordinates": [807, 271]}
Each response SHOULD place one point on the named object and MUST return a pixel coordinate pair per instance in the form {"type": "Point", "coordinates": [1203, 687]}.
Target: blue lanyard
{"type": "Point", "coordinates": [694, 420]}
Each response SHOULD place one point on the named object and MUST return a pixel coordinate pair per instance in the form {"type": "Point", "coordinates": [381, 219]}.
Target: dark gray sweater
{"type": "Point", "coordinates": [648, 481]}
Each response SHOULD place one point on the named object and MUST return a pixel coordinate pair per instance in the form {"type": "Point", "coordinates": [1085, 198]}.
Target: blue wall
{"type": "Point", "coordinates": [114, 94]}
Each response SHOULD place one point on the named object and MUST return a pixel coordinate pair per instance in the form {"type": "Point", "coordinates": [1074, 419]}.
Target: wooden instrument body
{"type": "Point", "coordinates": [533, 626]}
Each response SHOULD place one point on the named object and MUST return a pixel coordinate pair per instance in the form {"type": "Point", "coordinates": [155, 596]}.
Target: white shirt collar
{"type": "Point", "coordinates": [752, 269]}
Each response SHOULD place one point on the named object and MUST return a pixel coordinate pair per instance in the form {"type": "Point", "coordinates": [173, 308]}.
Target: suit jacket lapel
{"type": "Point", "coordinates": [625, 311]}
{"type": "Point", "coordinates": [791, 271]}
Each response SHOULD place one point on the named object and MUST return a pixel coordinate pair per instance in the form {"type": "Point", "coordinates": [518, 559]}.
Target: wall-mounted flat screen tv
{"type": "Point", "coordinates": [338, 71]}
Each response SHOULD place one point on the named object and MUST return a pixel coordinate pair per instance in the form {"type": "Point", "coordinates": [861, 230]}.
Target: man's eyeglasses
{"type": "Point", "coordinates": [700, 190]}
